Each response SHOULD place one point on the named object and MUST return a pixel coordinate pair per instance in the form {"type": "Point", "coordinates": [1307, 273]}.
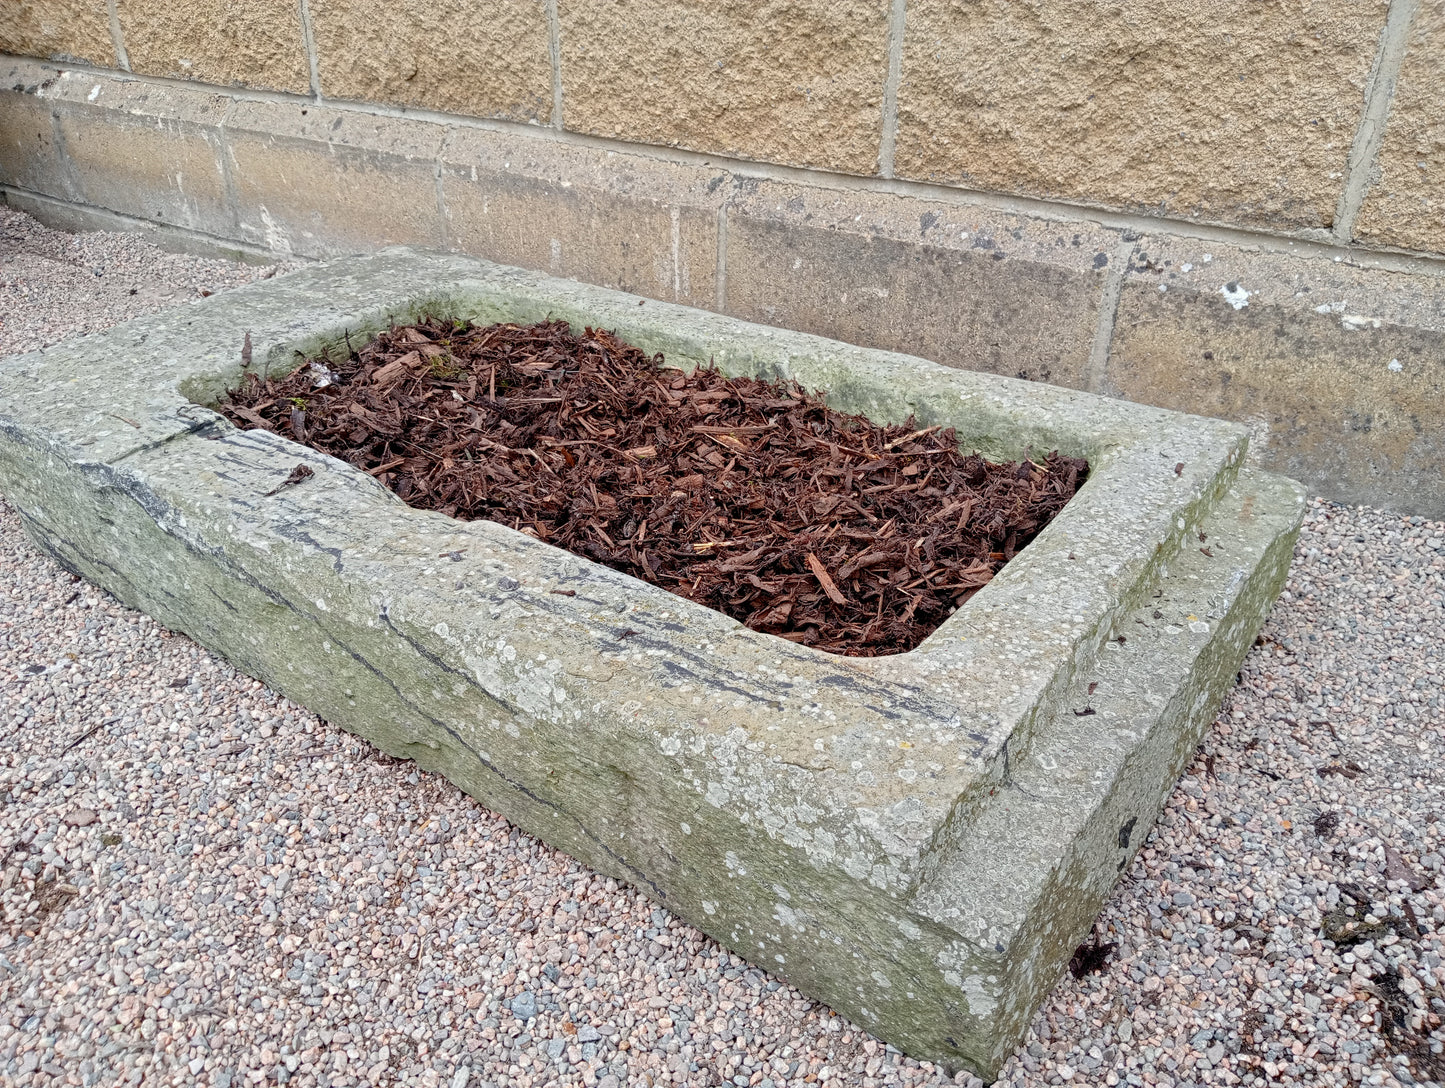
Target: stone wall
{"type": "Point", "coordinates": [1235, 211]}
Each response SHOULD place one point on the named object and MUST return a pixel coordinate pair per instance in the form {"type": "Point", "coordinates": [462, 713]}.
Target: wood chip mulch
{"type": "Point", "coordinates": [750, 497]}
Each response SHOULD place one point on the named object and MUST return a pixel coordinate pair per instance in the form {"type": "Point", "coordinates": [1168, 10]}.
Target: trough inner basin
{"type": "Point", "coordinates": [751, 497]}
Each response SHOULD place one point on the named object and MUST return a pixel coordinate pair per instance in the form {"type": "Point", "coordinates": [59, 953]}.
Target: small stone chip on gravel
{"type": "Point", "coordinates": [265, 899]}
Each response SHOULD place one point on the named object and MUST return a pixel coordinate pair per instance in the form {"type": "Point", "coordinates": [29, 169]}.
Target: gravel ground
{"type": "Point", "coordinates": [54, 285]}
{"type": "Point", "coordinates": [201, 883]}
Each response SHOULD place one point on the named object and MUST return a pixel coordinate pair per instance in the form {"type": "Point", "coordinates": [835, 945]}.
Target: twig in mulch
{"type": "Point", "coordinates": [748, 496]}
{"type": "Point", "coordinates": [299, 473]}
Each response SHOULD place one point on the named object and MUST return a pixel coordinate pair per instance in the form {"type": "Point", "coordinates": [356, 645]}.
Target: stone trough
{"type": "Point", "coordinates": [919, 840]}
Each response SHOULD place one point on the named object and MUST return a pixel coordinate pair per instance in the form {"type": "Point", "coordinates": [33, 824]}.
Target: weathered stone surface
{"type": "Point", "coordinates": [1176, 108]}
{"type": "Point", "coordinates": [1405, 205]}
{"type": "Point", "coordinates": [156, 160]}
{"type": "Point", "coordinates": [1338, 370]}
{"type": "Point", "coordinates": [963, 286]}
{"type": "Point", "coordinates": [1083, 797]}
{"type": "Point", "coordinates": [789, 81]}
{"type": "Point", "coordinates": [603, 217]}
{"type": "Point", "coordinates": [313, 180]}
{"type": "Point", "coordinates": [73, 218]}
{"type": "Point", "coordinates": [918, 839]}
{"type": "Point", "coordinates": [487, 59]}
{"type": "Point", "coordinates": [27, 139]}
{"type": "Point", "coordinates": [256, 43]}
{"type": "Point", "coordinates": [57, 30]}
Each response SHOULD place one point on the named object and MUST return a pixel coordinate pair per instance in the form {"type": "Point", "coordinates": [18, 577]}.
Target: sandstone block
{"type": "Point", "coordinates": [57, 30]}
{"type": "Point", "coordinates": [147, 153]}
{"type": "Point", "coordinates": [1338, 370]}
{"type": "Point", "coordinates": [487, 59]}
{"type": "Point", "coordinates": [1405, 205]}
{"type": "Point", "coordinates": [599, 216]}
{"type": "Point", "coordinates": [788, 81]}
{"type": "Point", "coordinates": [962, 286]}
{"type": "Point", "coordinates": [1242, 114]}
{"type": "Point", "coordinates": [27, 144]}
{"type": "Point", "coordinates": [317, 181]}
{"type": "Point", "coordinates": [254, 43]}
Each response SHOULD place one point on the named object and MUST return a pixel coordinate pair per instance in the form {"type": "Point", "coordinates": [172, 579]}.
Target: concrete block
{"type": "Point", "coordinates": [153, 153]}
{"type": "Point", "coordinates": [57, 30]}
{"type": "Point", "coordinates": [963, 286]}
{"type": "Point", "coordinates": [74, 218]}
{"type": "Point", "coordinates": [1339, 370]}
{"type": "Point", "coordinates": [27, 141]}
{"type": "Point", "coordinates": [789, 81]}
{"type": "Point", "coordinates": [603, 217]}
{"type": "Point", "coordinates": [920, 840]}
{"type": "Point", "coordinates": [1405, 205]}
{"type": "Point", "coordinates": [487, 59]}
{"type": "Point", "coordinates": [254, 43]}
{"type": "Point", "coordinates": [315, 181]}
{"type": "Point", "coordinates": [1243, 115]}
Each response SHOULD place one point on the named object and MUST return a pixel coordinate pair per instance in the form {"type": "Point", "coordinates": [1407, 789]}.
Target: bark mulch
{"type": "Point", "coordinates": [750, 497]}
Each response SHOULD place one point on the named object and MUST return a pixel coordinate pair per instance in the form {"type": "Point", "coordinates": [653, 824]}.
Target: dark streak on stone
{"type": "Point", "coordinates": [1126, 832]}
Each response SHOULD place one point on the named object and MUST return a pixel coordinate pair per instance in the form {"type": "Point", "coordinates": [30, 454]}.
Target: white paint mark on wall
{"type": "Point", "coordinates": [94, 93]}
{"type": "Point", "coordinates": [276, 237]}
{"type": "Point", "coordinates": [1234, 293]}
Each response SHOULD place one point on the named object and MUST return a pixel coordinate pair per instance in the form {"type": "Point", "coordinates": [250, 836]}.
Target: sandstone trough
{"type": "Point", "coordinates": [920, 840]}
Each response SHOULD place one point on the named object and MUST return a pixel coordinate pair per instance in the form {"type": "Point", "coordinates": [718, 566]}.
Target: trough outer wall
{"type": "Point", "coordinates": [1032, 870]}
